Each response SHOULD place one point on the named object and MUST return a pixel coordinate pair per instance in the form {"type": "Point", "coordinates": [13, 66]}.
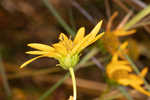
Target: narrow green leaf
{"type": "Point", "coordinates": [137, 18]}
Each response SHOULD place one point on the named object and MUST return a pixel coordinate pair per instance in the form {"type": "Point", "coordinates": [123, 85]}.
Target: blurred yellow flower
{"type": "Point", "coordinates": [120, 71]}
{"type": "Point", "coordinates": [111, 38]}
{"type": "Point", "coordinates": [65, 51]}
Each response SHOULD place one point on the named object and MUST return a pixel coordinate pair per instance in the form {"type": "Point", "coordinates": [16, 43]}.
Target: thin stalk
{"type": "Point", "coordinates": [125, 93]}
{"type": "Point", "coordinates": [53, 88]}
{"type": "Point", "coordinates": [98, 63]}
{"type": "Point", "coordinates": [71, 17]}
{"type": "Point", "coordinates": [132, 64]}
{"type": "Point", "coordinates": [74, 83]}
{"type": "Point", "coordinates": [137, 18]}
{"type": "Point", "coordinates": [141, 24]}
{"type": "Point", "coordinates": [83, 11]}
{"type": "Point", "coordinates": [58, 17]}
{"type": "Point", "coordinates": [4, 79]}
{"type": "Point", "coordinates": [93, 52]}
{"type": "Point", "coordinates": [136, 70]}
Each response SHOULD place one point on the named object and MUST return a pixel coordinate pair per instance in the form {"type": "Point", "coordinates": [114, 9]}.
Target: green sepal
{"type": "Point", "coordinates": [68, 61]}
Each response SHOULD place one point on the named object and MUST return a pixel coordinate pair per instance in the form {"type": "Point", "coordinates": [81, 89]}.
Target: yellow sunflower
{"type": "Point", "coordinates": [120, 71]}
{"type": "Point", "coordinates": [65, 51]}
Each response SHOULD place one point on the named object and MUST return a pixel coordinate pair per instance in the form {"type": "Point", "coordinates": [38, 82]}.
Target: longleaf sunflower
{"type": "Point", "coordinates": [65, 51]}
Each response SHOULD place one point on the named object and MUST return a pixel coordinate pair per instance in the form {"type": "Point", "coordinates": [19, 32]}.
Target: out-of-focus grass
{"type": "Point", "coordinates": [58, 17]}
{"type": "Point", "coordinates": [5, 80]}
{"type": "Point", "coordinates": [129, 25]}
{"type": "Point", "coordinates": [137, 18]}
{"type": "Point", "coordinates": [70, 31]}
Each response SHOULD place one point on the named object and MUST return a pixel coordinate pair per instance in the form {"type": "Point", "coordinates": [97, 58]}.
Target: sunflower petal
{"type": "Point", "coordinates": [79, 35]}
{"type": "Point", "coordinates": [60, 48]}
{"type": "Point", "coordinates": [88, 40]}
{"type": "Point", "coordinates": [36, 52]}
{"type": "Point", "coordinates": [96, 28]}
{"type": "Point", "coordinates": [124, 45]}
{"type": "Point", "coordinates": [42, 47]}
{"type": "Point", "coordinates": [115, 57]}
{"type": "Point", "coordinates": [29, 61]}
{"type": "Point", "coordinates": [54, 54]}
{"type": "Point", "coordinates": [135, 79]}
{"type": "Point", "coordinates": [110, 21]}
{"type": "Point", "coordinates": [124, 81]}
{"type": "Point", "coordinates": [141, 89]}
{"type": "Point", "coordinates": [144, 72]}
{"type": "Point", "coordinates": [112, 68]}
{"type": "Point", "coordinates": [85, 41]}
{"type": "Point", "coordinates": [97, 37]}
{"type": "Point", "coordinates": [63, 37]}
{"type": "Point", "coordinates": [122, 32]}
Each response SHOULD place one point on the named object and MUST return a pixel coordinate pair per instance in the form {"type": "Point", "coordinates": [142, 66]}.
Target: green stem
{"type": "Point", "coordinates": [49, 91]}
{"type": "Point", "coordinates": [125, 93]}
{"type": "Point", "coordinates": [136, 70]}
{"type": "Point", "coordinates": [71, 19]}
{"type": "Point", "coordinates": [5, 80]}
{"type": "Point", "coordinates": [74, 83]}
{"type": "Point", "coordinates": [58, 17]}
{"type": "Point", "coordinates": [137, 18]}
